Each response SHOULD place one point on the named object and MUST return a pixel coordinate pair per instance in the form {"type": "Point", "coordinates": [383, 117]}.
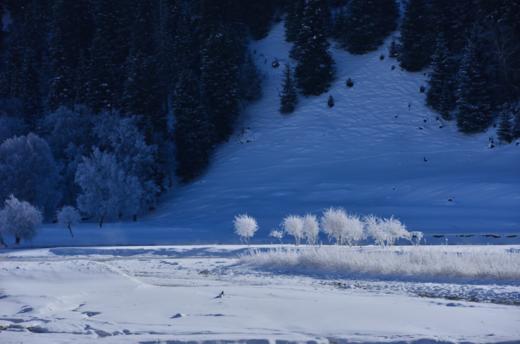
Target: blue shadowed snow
{"type": "Point", "coordinates": [379, 150]}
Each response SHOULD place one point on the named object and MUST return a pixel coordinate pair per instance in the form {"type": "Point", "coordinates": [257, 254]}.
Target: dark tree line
{"type": "Point", "coordinates": [85, 75]}
{"type": "Point", "coordinates": [473, 48]}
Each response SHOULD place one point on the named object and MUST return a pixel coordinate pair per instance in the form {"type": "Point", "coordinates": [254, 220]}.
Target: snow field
{"type": "Point", "coordinates": [169, 293]}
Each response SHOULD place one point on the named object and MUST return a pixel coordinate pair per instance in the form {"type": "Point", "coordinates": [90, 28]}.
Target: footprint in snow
{"type": "Point", "coordinates": [90, 313]}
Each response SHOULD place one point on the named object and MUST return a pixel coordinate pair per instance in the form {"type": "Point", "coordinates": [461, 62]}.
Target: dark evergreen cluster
{"type": "Point", "coordinates": [120, 94]}
{"type": "Point", "coordinates": [473, 48]}
{"type": "Point", "coordinates": [364, 24]}
{"type": "Point", "coordinates": [137, 59]}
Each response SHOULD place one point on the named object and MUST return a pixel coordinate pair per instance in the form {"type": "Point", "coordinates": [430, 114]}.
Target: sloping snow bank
{"type": "Point", "coordinates": [417, 262]}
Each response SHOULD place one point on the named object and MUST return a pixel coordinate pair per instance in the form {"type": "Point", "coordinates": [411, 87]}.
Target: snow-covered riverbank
{"type": "Point", "coordinates": [167, 293]}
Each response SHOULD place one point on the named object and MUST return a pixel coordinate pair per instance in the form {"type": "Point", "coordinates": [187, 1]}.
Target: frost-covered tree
{"type": "Point", "coordinates": [121, 137]}
{"type": "Point", "coordinates": [69, 134]}
{"type": "Point", "coordinates": [374, 230]}
{"type": "Point", "coordinates": [107, 191]}
{"type": "Point", "coordinates": [311, 229]}
{"type": "Point", "coordinates": [385, 231]}
{"type": "Point", "coordinates": [68, 216]}
{"type": "Point", "coordinates": [354, 229]}
{"type": "Point", "coordinates": [10, 126]}
{"type": "Point", "coordinates": [20, 219]}
{"type": "Point", "coordinates": [245, 227]}
{"type": "Point", "coordinates": [293, 226]}
{"type": "Point", "coordinates": [276, 234]}
{"type": "Point", "coordinates": [396, 230]}
{"type": "Point", "coordinates": [416, 237]}
{"type": "Point", "coordinates": [333, 222]}
{"type": "Point", "coordinates": [29, 172]}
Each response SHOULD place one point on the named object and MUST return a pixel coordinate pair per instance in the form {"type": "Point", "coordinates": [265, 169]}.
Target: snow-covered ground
{"type": "Point", "coordinates": [169, 293]}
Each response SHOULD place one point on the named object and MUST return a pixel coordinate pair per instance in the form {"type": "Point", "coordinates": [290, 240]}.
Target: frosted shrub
{"type": "Point", "coordinates": [68, 216]}
{"type": "Point", "coordinates": [20, 219]}
{"type": "Point", "coordinates": [276, 234]}
{"type": "Point", "coordinates": [385, 231]}
{"type": "Point", "coordinates": [311, 229]}
{"type": "Point", "coordinates": [342, 227]}
{"type": "Point", "coordinates": [416, 237]}
{"type": "Point", "coordinates": [245, 227]}
{"type": "Point", "coordinates": [374, 230]}
{"type": "Point", "coordinates": [293, 225]}
{"type": "Point", "coordinates": [426, 263]}
{"type": "Point", "coordinates": [395, 229]}
{"type": "Point", "coordinates": [333, 223]}
{"type": "Point", "coordinates": [353, 229]}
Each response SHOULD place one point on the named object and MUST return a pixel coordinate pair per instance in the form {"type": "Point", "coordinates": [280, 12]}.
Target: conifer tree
{"type": "Point", "coordinates": [515, 130]}
{"type": "Point", "coordinates": [192, 128]}
{"type": "Point", "coordinates": [70, 34]}
{"type": "Point", "coordinates": [102, 75]}
{"type": "Point", "coordinates": [288, 97]}
{"type": "Point", "coordinates": [505, 130]}
{"type": "Point", "coordinates": [474, 104]}
{"type": "Point", "coordinates": [441, 94]}
{"type": "Point", "coordinates": [417, 43]}
{"type": "Point", "coordinates": [250, 81]}
{"type": "Point", "coordinates": [219, 80]}
{"type": "Point", "coordinates": [366, 24]}
{"type": "Point", "coordinates": [293, 19]}
{"type": "Point", "coordinates": [315, 68]}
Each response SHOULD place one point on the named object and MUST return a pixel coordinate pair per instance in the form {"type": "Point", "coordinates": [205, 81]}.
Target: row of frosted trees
{"type": "Point", "coordinates": [339, 226]}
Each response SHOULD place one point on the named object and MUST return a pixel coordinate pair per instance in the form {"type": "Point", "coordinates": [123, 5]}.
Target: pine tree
{"type": "Point", "coordinates": [70, 36]}
{"type": "Point", "coordinates": [367, 23]}
{"type": "Point", "coordinates": [250, 81]}
{"type": "Point", "coordinates": [258, 17]}
{"type": "Point", "coordinates": [441, 94]}
{"type": "Point", "coordinates": [515, 131]}
{"type": "Point", "coordinates": [474, 100]}
{"type": "Point", "coordinates": [220, 63]}
{"type": "Point", "coordinates": [288, 97]}
{"type": "Point", "coordinates": [143, 94]}
{"type": "Point", "coordinates": [505, 130]}
{"type": "Point", "coordinates": [315, 68]}
{"type": "Point", "coordinates": [102, 76]}
{"type": "Point", "coordinates": [417, 43]}
{"type": "Point", "coordinates": [293, 19]}
{"type": "Point", "coordinates": [192, 129]}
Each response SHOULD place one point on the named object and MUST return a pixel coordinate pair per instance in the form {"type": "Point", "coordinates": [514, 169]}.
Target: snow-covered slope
{"type": "Point", "coordinates": [379, 150]}
{"type": "Point", "coordinates": [366, 154]}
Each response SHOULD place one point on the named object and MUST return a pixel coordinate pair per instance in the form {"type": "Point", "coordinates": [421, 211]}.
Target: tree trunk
{"type": "Point", "coordinates": [70, 230]}
{"type": "Point", "coordinates": [18, 239]}
{"type": "Point", "coordinates": [101, 219]}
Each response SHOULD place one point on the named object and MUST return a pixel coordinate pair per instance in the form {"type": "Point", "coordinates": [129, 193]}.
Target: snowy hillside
{"type": "Point", "coordinates": [366, 154]}
{"type": "Point", "coordinates": [379, 150]}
